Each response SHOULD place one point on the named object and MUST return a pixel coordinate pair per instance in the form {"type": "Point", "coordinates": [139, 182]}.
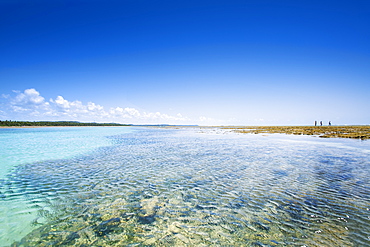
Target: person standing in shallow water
{"type": "Point", "coordinates": [320, 123]}
{"type": "Point", "coordinates": [315, 123]}
{"type": "Point", "coordinates": [329, 123]}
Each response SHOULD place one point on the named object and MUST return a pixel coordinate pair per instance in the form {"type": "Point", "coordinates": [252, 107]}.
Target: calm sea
{"type": "Point", "coordinates": [124, 186]}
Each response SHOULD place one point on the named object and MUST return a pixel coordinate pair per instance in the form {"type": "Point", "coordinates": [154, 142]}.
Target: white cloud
{"type": "Point", "coordinates": [29, 96]}
{"type": "Point", "coordinates": [125, 112]}
{"type": "Point", "coordinates": [93, 107]}
{"type": "Point", "coordinates": [132, 112]}
{"type": "Point", "coordinates": [119, 112]}
{"type": "Point", "coordinates": [19, 109]}
{"type": "Point", "coordinates": [30, 105]}
{"type": "Point", "coordinates": [164, 117]}
{"type": "Point", "coordinates": [27, 102]}
{"type": "Point", "coordinates": [61, 102]}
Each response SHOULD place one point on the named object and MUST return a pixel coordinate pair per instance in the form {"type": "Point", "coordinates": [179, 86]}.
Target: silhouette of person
{"type": "Point", "coordinates": [315, 123]}
{"type": "Point", "coordinates": [329, 123]}
{"type": "Point", "coordinates": [320, 123]}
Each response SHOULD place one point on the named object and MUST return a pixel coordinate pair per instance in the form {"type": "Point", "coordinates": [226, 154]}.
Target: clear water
{"type": "Point", "coordinates": [188, 188]}
{"type": "Point", "coordinates": [19, 146]}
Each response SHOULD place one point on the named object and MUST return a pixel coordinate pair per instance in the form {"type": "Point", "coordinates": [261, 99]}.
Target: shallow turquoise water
{"type": "Point", "coordinates": [156, 187]}
{"type": "Point", "coordinates": [25, 145]}
{"type": "Point", "coordinates": [21, 146]}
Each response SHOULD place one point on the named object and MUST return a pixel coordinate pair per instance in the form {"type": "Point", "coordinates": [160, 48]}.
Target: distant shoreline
{"type": "Point", "coordinates": [57, 126]}
{"type": "Point", "coordinates": [35, 124]}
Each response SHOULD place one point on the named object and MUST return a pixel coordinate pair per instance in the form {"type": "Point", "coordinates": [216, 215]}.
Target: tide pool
{"type": "Point", "coordinates": [192, 187]}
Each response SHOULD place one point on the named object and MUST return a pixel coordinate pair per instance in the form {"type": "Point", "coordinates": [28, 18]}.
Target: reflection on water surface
{"type": "Point", "coordinates": [183, 188]}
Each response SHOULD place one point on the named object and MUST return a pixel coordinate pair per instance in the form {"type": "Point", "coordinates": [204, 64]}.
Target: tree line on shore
{"type": "Point", "coordinates": [10, 123]}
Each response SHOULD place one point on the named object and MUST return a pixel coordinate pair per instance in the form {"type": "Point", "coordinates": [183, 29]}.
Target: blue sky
{"type": "Point", "coordinates": [186, 62]}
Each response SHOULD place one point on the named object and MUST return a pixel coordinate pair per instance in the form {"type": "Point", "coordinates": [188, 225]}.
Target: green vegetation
{"type": "Point", "coordinates": [9, 123]}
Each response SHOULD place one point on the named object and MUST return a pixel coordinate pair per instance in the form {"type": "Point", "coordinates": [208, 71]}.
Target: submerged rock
{"type": "Point", "coordinates": [107, 227]}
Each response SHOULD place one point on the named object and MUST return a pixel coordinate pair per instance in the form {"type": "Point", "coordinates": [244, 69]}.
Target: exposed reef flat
{"type": "Point", "coordinates": [349, 131]}
{"type": "Point", "coordinates": [356, 131]}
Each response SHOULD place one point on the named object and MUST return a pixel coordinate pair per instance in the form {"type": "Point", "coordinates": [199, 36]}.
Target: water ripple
{"type": "Point", "coordinates": [181, 188]}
